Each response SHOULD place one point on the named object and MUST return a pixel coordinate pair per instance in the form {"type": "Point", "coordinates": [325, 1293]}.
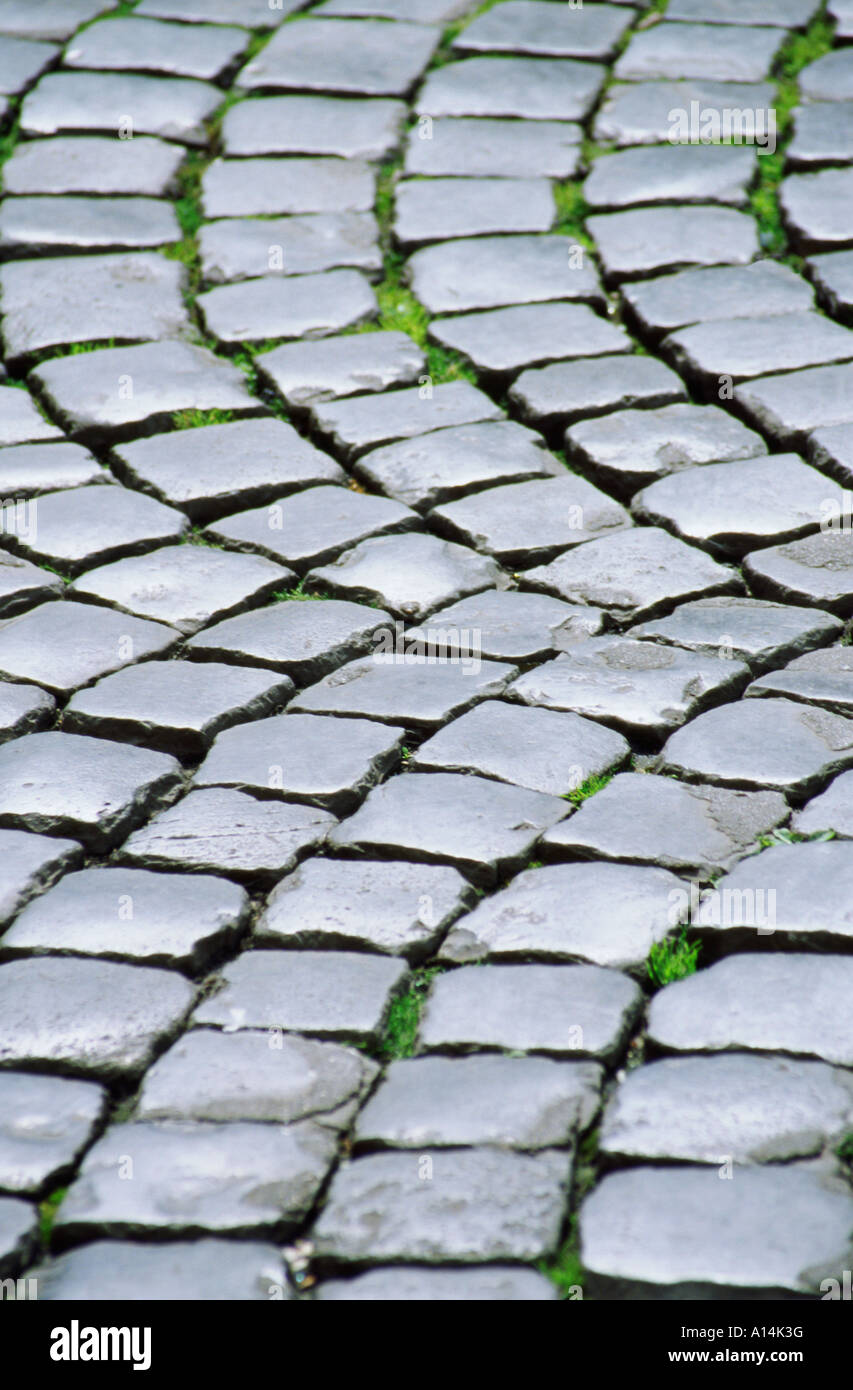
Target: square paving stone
{"type": "Point", "coordinates": [488, 272]}
{"type": "Point", "coordinates": [19, 1234]}
{"type": "Point", "coordinates": [502, 340]}
{"type": "Point", "coordinates": [832, 810]}
{"type": "Point", "coordinates": [746, 1109]}
{"type": "Point", "coordinates": [146, 45]}
{"type": "Point", "coordinates": [313, 526]}
{"type": "Point", "coordinates": [823, 134]}
{"type": "Point", "coordinates": [194, 469]}
{"type": "Point", "coordinates": [817, 678]}
{"type": "Point", "coordinates": [635, 573]}
{"type": "Point", "coordinates": [177, 1271]}
{"type": "Point", "coordinates": [789, 406]}
{"type": "Point", "coordinates": [57, 302]}
{"type": "Point", "coordinates": [775, 744]}
{"type": "Point", "coordinates": [195, 1178]}
{"type": "Point", "coordinates": [485, 828]}
{"type": "Point", "coordinates": [833, 276]}
{"type": "Point", "coordinates": [53, 19]}
{"type": "Point", "coordinates": [783, 14]}
{"type": "Point", "coordinates": [31, 226]}
{"type": "Point", "coordinates": [507, 625]}
{"type": "Point", "coordinates": [301, 757]}
{"type": "Point", "coordinates": [93, 164]}
{"type": "Point", "coordinates": [306, 373]}
{"type": "Point", "coordinates": [339, 904]}
{"type": "Point", "coordinates": [47, 1121]}
{"type": "Point", "coordinates": [448, 463]}
{"type": "Point", "coordinates": [664, 1233]}
{"type": "Point", "coordinates": [413, 1284]}
{"type": "Point", "coordinates": [410, 574]}
{"type": "Point", "coordinates": [29, 469]}
{"type": "Point", "coordinates": [187, 586]}
{"type": "Point", "coordinates": [631, 448]}
{"type": "Point", "coordinates": [20, 420]}
{"type": "Point", "coordinates": [731, 507]}
{"type": "Point", "coordinates": [543, 749]}
{"type": "Point", "coordinates": [509, 522]}
{"type": "Point", "coordinates": [635, 244]}
{"type": "Point", "coordinates": [671, 174]}
{"type": "Point", "coordinates": [421, 11]}
{"type": "Point", "coordinates": [364, 56]}
{"type": "Point", "coordinates": [756, 631]}
{"type": "Point", "coordinates": [413, 690]}
{"type": "Point", "coordinates": [21, 62]}
{"type": "Point", "coordinates": [556, 89]}
{"type": "Point", "coordinates": [642, 819]}
{"type": "Point", "coordinates": [565, 392]}
{"type": "Point", "coordinates": [509, 1102]}
{"type": "Point", "coordinates": [347, 127]}
{"type": "Point", "coordinates": [82, 527]}
{"type": "Point", "coordinates": [24, 708]}
{"type": "Point", "coordinates": [243, 248]}
{"type": "Point", "coordinates": [62, 784]}
{"type": "Point", "coordinates": [618, 913]}
{"type": "Point", "coordinates": [23, 585]}
{"type": "Point", "coordinates": [718, 52]}
{"type": "Point", "coordinates": [483, 148]}
{"type": "Point", "coordinates": [641, 113]}
{"type": "Point", "coordinates": [31, 863]}
{"type": "Point", "coordinates": [261, 187]}
{"type": "Point", "coordinates": [177, 707]}
{"type": "Point", "coordinates": [817, 209]}
{"type": "Point", "coordinates": [829, 78]}
{"type": "Point", "coordinates": [88, 1017]}
{"type": "Point", "coordinates": [342, 995]}
{"type": "Point", "coordinates": [226, 1076]}
{"type": "Point", "coordinates": [708, 354]}
{"type": "Point", "coordinates": [435, 209]}
{"type": "Point", "coordinates": [564, 1010]}
{"type": "Point", "coordinates": [754, 1003]}
{"type": "Point", "coordinates": [817, 570]}
{"type": "Point", "coordinates": [717, 292]}
{"type": "Point", "coordinates": [226, 832]}
{"type": "Point", "coordinates": [174, 108]}
{"type": "Point", "coordinates": [530, 26]}
{"type": "Point", "coordinates": [640, 687]}
{"type": "Point", "coordinates": [476, 1207]}
{"type": "Point", "coordinates": [774, 892]}
{"type": "Point", "coordinates": [122, 392]}
{"type": "Point", "coordinates": [304, 639]}
{"type": "Point", "coordinates": [253, 14]}
{"type": "Point", "coordinates": [351, 427]}
{"type": "Point", "coordinates": [297, 306]}
{"type": "Point", "coordinates": [65, 645]}
{"type": "Point", "coordinates": [176, 920]}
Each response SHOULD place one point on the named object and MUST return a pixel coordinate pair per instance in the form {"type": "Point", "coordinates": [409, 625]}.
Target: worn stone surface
{"type": "Point", "coordinates": [205, 1270]}
{"type": "Point", "coordinates": [413, 1284]}
{"type": "Point", "coordinates": [400, 687]}
{"type": "Point", "coordinates": [21, 62]}
{"type": "Point", "coordinates": [20, 421]}
{"type": "Point", "coordinates": [557, 89]}
{"type": "Point", "coordinates": [46, 1123]}
{"type": "Point", "coordinates": [304, 373]}
{"type": "Point", "coordinates": [532, 28]}
{"type": "Point", "coordinates": [29, 469]}
{"type": "Point", "coordinates": [671, 174]}
{"type": "Point", "coordinates": [817, 208]}
{"type": "Point", "coordinates": [240, 248]}
{"type": "Point", "coordinates": [31, 863]}
{"type": "Point", "coordinates": [311, 306]}
{"type": "Point", "coordinates": [482, 148]}
{"type": "Point", "coordinates": [93, 164]}
{"type": "Point", "coordinates": [502, 340]}
{"type": "Point", "coordinates": [251, 13]}
{"type": "Point", "coordinates": [829, 78]}
{"type": "Point", "coordinates": [817, 678]}
{"type": "Point", "coordinates": [638, 243]}
{"type": "Point", "coordinates": [54, 19]}
{"type": "Point", "coordinates": [643, 689]}
{"type": "Point", "coordinates": [18, 1234]}
{"type": "Point", "coordinates": [833, 275]}
{"type": "Point", "coordinates": [82, 527]}
{"type": "Point", "coordinates": [24, 708]}
{"type": "Point", "coordinates": [507, 625]}
{"type": "Point", "coordinates": [141, 45]}
{"type": "Point", "coordinates": [182, 920]}
{"type": "Point", "coordinates": [299, 125]}
{"type": "Point", "coordinates": [789, 406]}
{"type": "Point", "coordinates": [739, 348]}
{"type": "Point", "coordinates": [352, 427]}
{"type": "Point", "coordinates": [785, 14]}
{"type": "Point", "coordinates": [639, 818]}
{"type": "Point", "coordinates": [36, 225]}
{"type": "Point", "coordinates": [174, 108]}
{"type": "Point", "coordinates": [435, 209]}
{"type": "Point", "coordinates": [261, 187]}
{"type": "Point", "coordinates": [510, 1102]}
{"type": "Point", "coordinates": [796, 916]}
{"type": "Point", "coordinates": [640, 113]}
{"type": "Point", "coordinates": [363, 56]}
{"type": "Point", "coordinates": [565, 392]}
{"type": "Point", "coordinates": [617, 914]}
{"type": "Point", "coordinates": [756, 631]}
{"type": "Point", "coordinates": [816, 570]}
{"type": "Point", "coordinates": [823, 134]}
{"type": "Point", "coordinates": [488, 272]}
{"type": "Point", "coordinates": [717, 292]}
{"type": "Point", "coordinates": [22, 585]}
{"type": "Point", "coordinates": [304, 640]}
{"type": "Point", "coordinates": [396, 909]}
{"type": "Point", "coordinates": [409, 574]}
{"type": "Point", "coordinates": [718, 53]}
{"type": "Point", "coordinates": [832, 810]}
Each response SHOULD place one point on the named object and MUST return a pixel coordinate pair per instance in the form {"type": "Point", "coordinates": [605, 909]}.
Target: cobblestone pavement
{"type": "Point", "coordinates": [426, 787]}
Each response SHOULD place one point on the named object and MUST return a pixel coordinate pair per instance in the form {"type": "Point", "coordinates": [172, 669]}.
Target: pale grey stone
{"type": "Point", "coordinates": [93, 164]}
{"type": "Point", "coordinates": [817, 208]}
{"type": "Point", "coordinates": [260, 187]}
{"type": "Point", "coordinates": [730, 350]}
{"type": "Point", "coordinates": [817, 678]}
{"type": "Point", "coordinates": [421, 11]}
{"type": "Point", "coordinates": [817, 570]}
{"type": "Point", "coordinates": [717, 292]}
{"type": "Point", "coordinates": [311, 306]}
{"type": "Point", "coordinates": [205, 1270]}
{"type": "Point", "coordinates": [241, 248]}
{"type": "Point", "coordinates": [784, 14]}
{"type": "Point", "coordinates": [411, 574]}
{"type": "Point", "coordinates": [530, 26]}
{"type": "Point", "coordinates": [488, 272]}
{"type": "Point", "coordinates": [64, 646]}
{"type": "Point", "coordinates": [796, 916]}
{"type": "Point", "coordinates": [19, 1233]}
{"type": "Point", "coordinates": [129, 44]}
{"type": "Point", "coordinates": [23, 585]}
{"type": "Point", "coordinates": [832, 810]}
{"type": "Point", "coordinates": [363, 56]}
{"type": "Point", "coordinates": [557, 89]}
{"type": "Point", "coordinates": [24, 708]}
{"type": "Point", "coordinates": [829, 78]}
{"type": "Point", "coordinates": [75, 529]}
{"type": "Point", "coordinates": [305, 640]}
{"type": "Point", "coordinates": [34, 225]}
{"type": "Point", "coordinates": [29, 469]}
{"type": "Point", "coordinates": [494, 148]}
{"type": "Point", "coordinates": [755, 631]}
{"type": "Point", "coordinates": [402, 688]}
{"type": "Point", "coordinates": [566, 392]}
{"type": "Point", "coordinates": [643, 241]}
{"type": "Point", "coordinates": [346, 127]}
{"type": "Point", "coordinates": [717, 53]}
{"type": "Point", "coordinates": [671, 174]}
{"type": "Point", "coordinates": [20, 420]}
{"type": "Point", "coordinates": [436, 209]}
{"type": "Point", "coordinates": [30, 863]}
{"type": "Point", "coordinates": [304, 373]}
{"type": "Point", "coordinates": [46, 1122]}
{"type": "Point", "coordinates": [53, 19]}
{"type": "Point", "coordinates": [507, 625]}
{"type": "Point", "coordinates": [254, 14]}
{"type": "Point", "coordinates": [502, 340]}
{"type": "Point", "coordinates": [639, 113]}
{"type": "Point", "coordinates": [402, 1284]}
{"type": "Point", "coordinates": [823, 134]}
{"type": "Point", "coordinates": [21, 62]}
{"type": "Point", "coordinates": [174, 108]}
{"type": "Point", "coordinates": [833, 275]}
{"type": "Point", "coordinates": [789, 406]}
{"type": "Point", "coordinates": [351, 427]}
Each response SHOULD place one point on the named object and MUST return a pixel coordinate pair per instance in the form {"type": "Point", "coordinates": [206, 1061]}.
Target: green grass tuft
{"type": "Point", "coordinates": [47, 1213]}
{"type": "Point", "coordinates": [672, 959]}
{"type": "Point", "coordinates": [196, 419]}
{"type": "Point", "coordinates": [404, 1016]}
{"type": "Point", "coordinates": [588, 788]}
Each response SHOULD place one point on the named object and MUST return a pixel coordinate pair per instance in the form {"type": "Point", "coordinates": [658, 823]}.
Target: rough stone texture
{"type": "Point", "coordinates": [502, 340]}
{"type": "Point", "coordinates": [817, 570]}
{"type": "Point", "coordinates": [671, 174]}
{"type": "Point", "coordinates": [130, 44]}
{"type": "Point", "coordinates": [746, 1109]}
{"type": "Point", "coordinates": [832, 810]}
{"type": "Point", "coordinates": [18, 1234]}
{"type": "Point", "coordinates": [817, 678]}
{"type": "Point", "coordinates": [22, 585]}
{"type": "Point", "coordinates": [644, 689]}
{"type": "Point", "coordinates": [182, 920]}
{"type": "Point", "coordinates": [46, 1123]}
{"type": "Point", "coordinates": [240, 248]}
{"type": "Point", "coordinates": [488, 272]}
{"type": "Point", "coordinates": [76, 529]}
{"type": "Point", "coordinates": [88, 1017]}
{"type": "Point", "coordinates": [785, 14]}
{"type": "Point", "coordinates": [789, 406]}
{"type": "Point", "coordinates": [717, 292]}
{"type": "Point", "coordinates": [342, 995]}
{"type": "Point", "coordinates": [833, 275]}
{"type": "Point", "coordinates": [635, 244]}
{"type": "Point", "coordinates": [311, 306]}
{"type": "Point", "coordinates": [174, 108]}
{"type": "Point", "coordinates": [557, 89]}
{"type": "Point", "coordinates": [439, 1102]}
{"type": "Point", "coordinates": [305, 373]}
{"type": "Point", "coordinates": [756, 631]}
{"type": "Point", "coordinates": [829, 78]}
{"type": "Point", "coordinates": [435, 209]}
{"type": "Point", "coordinates": [401, 1284]}
{"type": "Point", "coordinates": [260, 187]}
{"type": "Point", "coordinates": [485, 828]}
{"type": "Point", "coordinates": [494, 148]}
{"type": "Point", "coordinates": [226, 832]}
{"type": "Point", "coordinates": [617, 914]}
{"type": "Point", "coordinates": [795, 916]}
{"type": "Point", "coordinates": [24, 708]}
{"type": "Point", "coordinates": [93, 164]}
{"type": "Point", "coordinates": [823, 134]}
{"type": "Point", "coordinates": [396, 909]}
{"type": "Point", "coordinates": [354, 426]}
{"type": "Point", "coordinates": [323, 125]}
{"type": "Point", "coordinates": [642, 819]}
{"type": "Point", "coordinates": [225, 1076]}
{"type": "Point", "coordinates": [21, 62]}
{"type": "Point", "coordinates": [29, 469]}
{"type": "Point", "coordinates": [54, 19]}
{"type": "Point", "coordinates": [398, 687]}
{"type": "Point", "coordinates": [736, 349]}
{"type": "Point", "coordinates": [63, 784]}
{"type": "Point", "coordinates": [663, 1233]}
{"type": "Point", "coordinates": [421, 11]}
{"type": "Point", "coordinates": [362, 56]}
{"type": "Point", "coordinates": [639, 113]}
{"type": "Point", "coordinates": [506, 625]}
{"type": "Point", "coordinates": [64, 646]}
{"type": "Point", "coordinates": [478, 1207]}
{"type": "Point", "coordinates": [254, 14]}
{"type": "Point", "coordinates": [409, 574]}
{"type": "Point", "coordinates": [20, 421]}
{"type": "Point", "coordinates": [204, 1270]}
{"type": "Point", "coordinates": [566, 392]}
{"type": "Point", "coordinates": [33, 226]}
{"type": "Point", "coordinates": [31, 863]}
{"type": "Point", "coordinates": [717, 53]}
{"type": "Point", "coordinates": [754, 1003]}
